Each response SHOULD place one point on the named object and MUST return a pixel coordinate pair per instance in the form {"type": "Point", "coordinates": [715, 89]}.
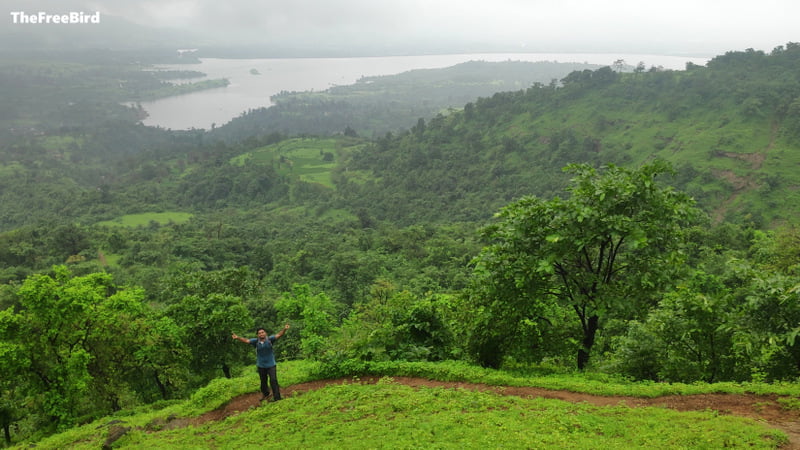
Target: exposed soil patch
{"type": "Point", "coordinates": [742, 184]}
{"type": "Point", "coordinates": [760, 407]}
{"type": "Point", "coordinates": [756, 160]}
{"type": "Point", "coordinates": [739, 184]}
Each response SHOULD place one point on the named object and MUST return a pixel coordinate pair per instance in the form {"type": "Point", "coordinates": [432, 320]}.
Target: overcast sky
{"type": "Point", "coordinates": [697, 27]}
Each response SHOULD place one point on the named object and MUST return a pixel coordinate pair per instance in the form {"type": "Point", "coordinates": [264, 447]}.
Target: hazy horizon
{"type": "Point", "coordinates": [680, 27]}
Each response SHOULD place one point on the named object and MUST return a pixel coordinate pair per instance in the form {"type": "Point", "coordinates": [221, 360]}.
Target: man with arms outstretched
{"type": "Point", "coordinates": [265, 361]}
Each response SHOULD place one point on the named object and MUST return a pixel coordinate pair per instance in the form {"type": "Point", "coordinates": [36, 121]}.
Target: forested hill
{"type": "Point", "coordinates": [731, 129]}
{"type": "Point", "coordinates": [378, 104]}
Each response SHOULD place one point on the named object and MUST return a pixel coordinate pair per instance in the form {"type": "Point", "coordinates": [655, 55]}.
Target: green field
{"type": "Point", "coordinates": [309, 159]}
{"type": "Point", "coordinates": [144, 219]}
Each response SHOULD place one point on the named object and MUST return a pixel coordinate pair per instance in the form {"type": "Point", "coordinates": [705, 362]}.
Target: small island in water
{"type": "Point", "coordinates": [254, 72]}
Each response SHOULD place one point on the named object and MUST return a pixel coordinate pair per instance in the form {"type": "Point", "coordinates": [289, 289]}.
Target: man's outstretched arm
{"type": "Point", "coordinates": [239, 338]}
{"type": "Point", "coordinates": [283, 330]}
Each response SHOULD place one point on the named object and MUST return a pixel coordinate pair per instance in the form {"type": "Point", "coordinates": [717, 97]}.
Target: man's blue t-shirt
{"type": "Point", "coordinates": [265, 358]}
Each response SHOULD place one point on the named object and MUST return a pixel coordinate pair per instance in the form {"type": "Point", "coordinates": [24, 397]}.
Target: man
{"type": "Point", "coordinates": [265, 361]}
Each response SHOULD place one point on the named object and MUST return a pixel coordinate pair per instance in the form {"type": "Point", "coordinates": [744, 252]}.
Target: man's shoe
{"type": "Point", "coordinates": [266, 397]}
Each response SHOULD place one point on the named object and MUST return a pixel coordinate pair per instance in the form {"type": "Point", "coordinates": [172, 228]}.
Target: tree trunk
{"type": "Point", "coordinates": [6, 418]}
{"type": "Point", "coordinates": [589, 332]}
{"type": "Point", "coordinates": [226, 370]}
{"type": "Point", "coordinates": [161, 387]}
{"type": "Point", "coordinates": [114, 401]}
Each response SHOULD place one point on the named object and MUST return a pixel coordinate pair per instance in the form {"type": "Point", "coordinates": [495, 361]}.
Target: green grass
{"type": "Point", "coordinates": [589, 382]}
{"type": "Point", "coordinates": [11, 169]}
{"type": "Point", "coordinates": [54, 143]}
{"type": "Point", "coordinates": [112, 259]}
{"type": "Point", "coordinates": [144, 219]}
{"type": "Point", "coordinates": [391, 415]}
{"type": "Point", "coordinates": [309, 159]}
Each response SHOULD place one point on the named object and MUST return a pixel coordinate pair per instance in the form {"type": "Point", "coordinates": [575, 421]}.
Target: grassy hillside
{"type": "Point", "coordinates": [389, 413]}
{"type": "Point", "coordinates": [138, 220]}
{"type": "Point", "coordinates": [305, 159]}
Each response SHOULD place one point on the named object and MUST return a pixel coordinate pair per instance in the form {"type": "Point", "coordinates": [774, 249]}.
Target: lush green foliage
{"type": "Point", "coordinates": [136, 220]}
{"type": "Point", "coordinates": [312, 316]}
{"type": "Point", "coordinates": [602, 253]}
{"type": "Point", "coordinates": [741, 324]}
{"type": "Point", "coordinates": [76, 346]}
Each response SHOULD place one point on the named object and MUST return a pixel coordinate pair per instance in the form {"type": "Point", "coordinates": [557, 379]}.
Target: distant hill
{"type": "Point", "coordinates": [379, 104]}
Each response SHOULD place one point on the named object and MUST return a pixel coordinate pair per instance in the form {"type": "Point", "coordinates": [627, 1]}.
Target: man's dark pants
{"type": "Point", "coordinates": [270, 374]}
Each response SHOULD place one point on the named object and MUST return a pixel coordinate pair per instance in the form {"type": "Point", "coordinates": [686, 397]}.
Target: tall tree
{"type": "Point", "coordinates": [208, 322]}
{"type": "Point", "coordinates": [598, 253]}
{"type": "Point", "coordinates": [71, 342]}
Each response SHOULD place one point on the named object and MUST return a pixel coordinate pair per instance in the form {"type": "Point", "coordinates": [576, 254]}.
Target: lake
{"type": "Point", "coordinates": [254, 81]}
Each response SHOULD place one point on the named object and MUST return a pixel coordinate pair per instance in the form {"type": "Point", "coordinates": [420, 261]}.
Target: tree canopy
{"type": "Point", "coordinates": [602, 252]}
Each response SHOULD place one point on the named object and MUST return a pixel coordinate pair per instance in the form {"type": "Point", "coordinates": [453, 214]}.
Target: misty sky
{"type": "Point", "coordinates": [700, 27]}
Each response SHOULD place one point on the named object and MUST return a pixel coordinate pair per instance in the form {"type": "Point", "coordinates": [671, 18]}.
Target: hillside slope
{"type": "Point", "coordinates": [730, 129]}
{"type": "Point", "coordinates": [765, 408]}
{"type": "Point", "coordinates": [355, 411]}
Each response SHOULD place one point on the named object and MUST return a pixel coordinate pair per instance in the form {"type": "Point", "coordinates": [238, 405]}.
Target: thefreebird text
{"type": "Point", "coordinates": [41, 17]}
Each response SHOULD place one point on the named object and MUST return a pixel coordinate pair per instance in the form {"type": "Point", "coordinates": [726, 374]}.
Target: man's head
{"type": "Point", "coordinates": [261, 333]}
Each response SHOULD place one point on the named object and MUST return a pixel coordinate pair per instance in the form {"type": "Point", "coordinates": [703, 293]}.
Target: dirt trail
{"type": "Point", "coordinates": [760, 407]}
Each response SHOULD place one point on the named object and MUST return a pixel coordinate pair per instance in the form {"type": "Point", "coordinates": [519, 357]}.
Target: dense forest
{"type": "Point", "coordinates": [640, 223]}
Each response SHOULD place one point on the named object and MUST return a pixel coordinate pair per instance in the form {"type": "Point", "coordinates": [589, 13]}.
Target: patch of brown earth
{"type": "Point", "coordinates": [740, 184]}
{"type": "Point", "coordinates": [764, 408]}
{"type": "Point", "coordinates": [756, 160]}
